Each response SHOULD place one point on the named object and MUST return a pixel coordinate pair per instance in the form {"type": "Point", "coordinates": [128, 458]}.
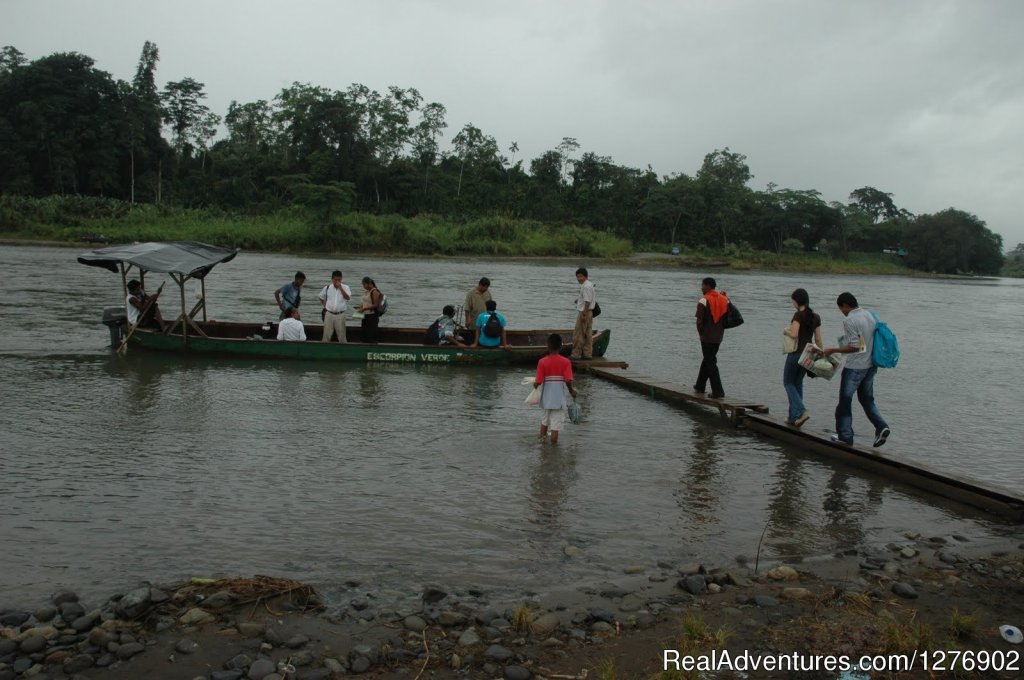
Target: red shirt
{"type": "Point", "coordinates": [554, 367]}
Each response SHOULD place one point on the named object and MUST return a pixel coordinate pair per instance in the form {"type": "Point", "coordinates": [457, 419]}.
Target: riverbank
{"type": "Point", "coordinates": [858, 264]}
{"type": "Point", "coordinates": [922, 595]}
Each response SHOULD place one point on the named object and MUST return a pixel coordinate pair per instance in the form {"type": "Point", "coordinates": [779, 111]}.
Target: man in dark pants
{"type": "Point", "coordinates": [711, 311]}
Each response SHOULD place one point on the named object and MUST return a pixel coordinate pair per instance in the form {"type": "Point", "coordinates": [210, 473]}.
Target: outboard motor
{"type": "Point", "coordinates": [116, 319]}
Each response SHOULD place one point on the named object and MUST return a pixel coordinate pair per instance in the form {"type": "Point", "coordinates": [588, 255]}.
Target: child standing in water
{"type": "Point", "coordinates": [553, 371]}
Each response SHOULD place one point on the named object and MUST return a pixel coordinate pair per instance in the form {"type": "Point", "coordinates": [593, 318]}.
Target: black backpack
{"type": "Point", "coordinates": [492, 328]}
{"type": "Point", "coordinates": [430, 337]}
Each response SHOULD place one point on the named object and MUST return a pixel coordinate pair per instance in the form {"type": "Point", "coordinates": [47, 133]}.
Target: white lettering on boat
{"type": "Point", "coordinates": [408, 356]}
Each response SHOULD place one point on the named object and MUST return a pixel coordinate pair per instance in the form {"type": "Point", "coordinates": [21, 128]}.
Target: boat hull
{"type": "Point", "coordinates": [237, 342]}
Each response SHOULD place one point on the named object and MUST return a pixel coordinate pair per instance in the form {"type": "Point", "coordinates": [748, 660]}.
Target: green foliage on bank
{"type": "Point", "coordinates": [83, 218]}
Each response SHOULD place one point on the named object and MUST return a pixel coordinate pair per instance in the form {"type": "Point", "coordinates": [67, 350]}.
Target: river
{"type": "Point", "coordinates": [116, 469]}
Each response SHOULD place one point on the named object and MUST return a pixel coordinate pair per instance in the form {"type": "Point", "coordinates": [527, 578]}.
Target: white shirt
{"type": "Point", "coordinates": [131, 310]}
{"type": "Point", "coordinates": [290, 330]}
{"type": "Point", "coordinates": [587, 294]}
{"type": "Point", "coordinates": [336, 302]}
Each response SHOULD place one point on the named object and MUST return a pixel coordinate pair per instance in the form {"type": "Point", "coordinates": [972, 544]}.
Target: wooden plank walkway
{"type": "Point", "coordinates": [988, 496]}
{"type": "Point", "coordinates": [753, 416]}
{"type": "Point", "coordinates": [598, 362]}
{"type": "Point", "coordinates": [732, 408]}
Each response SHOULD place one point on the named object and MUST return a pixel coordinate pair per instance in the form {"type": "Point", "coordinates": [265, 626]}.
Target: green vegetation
{"type": "Point", "coordinates": [1015, 262]}
{"type": "Point", "coordinates": [364, 171]}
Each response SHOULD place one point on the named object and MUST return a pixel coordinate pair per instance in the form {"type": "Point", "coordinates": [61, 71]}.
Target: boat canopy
{"type": "Point", "coordinates": [187, 258]}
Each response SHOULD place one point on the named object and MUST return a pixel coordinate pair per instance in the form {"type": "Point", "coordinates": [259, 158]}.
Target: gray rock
{"type": "Point", "coordinates": [219, 600]}
{"type": "Point", "coordinates": [100, 637]}
{"type": "Point", "coordinates": [610, 590]}
{"type": "Point", "coordinates": [432, 595]}
{"type": "Point", "coordinates": [186, 646]}
{"type": "Point", "coordinates": [414, 623]}
{"type": "Point", "coordinates": [600, 614]}
{"type": "Point", "coordinates": [302, 657]}
{"type": "Point", "coordinates": [738, 580]}
{"type": "Point", "coordinates": [86, 621]}
{"type": "Point", "coordinates": [335, 666]}
{"type": "Point", "coordinates": [486, 616]}
{"type": "Point", "coordinates": [156, 596]}
{"type": "Point", "coordinates": [517, 673]}
{"type": "Point", "coordinates": [601, 627]}
{"type": "Point", "coordinates": [907, 553]}
{"type": "Point", "coordinates": [21, 665]}
{"type": "Point", "coordinates": [948, 558]}
{"type": "Point", "coordinates": [765, 601]}
{"type": "Point", "coordinates": [62, 596]}
{"type": "Point", "coordinates": [498, 653]}
{"type": "Point", "coordinates": [359, 603]}
{"type": "Point", "coordinates": [572, 551]}
{"type": "Point", "coordinates": [645, 620]}
{"type": "Point", "coordinates": [250, 629]}
{"type": "Point", "coordinates": [500, 624]}
{"type": "Point", "coordinates": [691, 569]}
{"type": "Point", "coordinates": [904, 590]}
{"type": "Point", "coordinates": [78, 663]}
{"type": "Point", "coordinates": [545, 624]}
{"type": "Point", "coordinates": [631, 603]}
{"type": "Point", "coordinates": [135, 603]}
{"type": "Point", "coordinates": [274, 635]}
{"type": "Point", "coordinates": [7, 647]}
{"type": "Point", "coordinates": [261, 668]}
{"type": "Point", "coordinates": [44, 614]}
{"type": "Point", "coordinates": [238, 662]}
{"type": "Point", "coordinates": [14, 619]}
{"type": "Point", "coordinates": [296, 641]}
{"type": "Point", "coordinates": [69, 611]}
{"type": "Point", "coordinates": [104, 660]}
{"type": "Point", "coordinates": [163, 623]}
{"type": "Point", "coordinates": [695, 585]}
{"type": "Point", "coordinates": [469, 638]}
{"type": "Point", "coordinates": [129, 650]}
{"type": "Point", "coordinates": [33, 644]}
{"type": "Point", "coordinates": [360, 664]}
{"type": "Point", "coordinates": [449, 618]}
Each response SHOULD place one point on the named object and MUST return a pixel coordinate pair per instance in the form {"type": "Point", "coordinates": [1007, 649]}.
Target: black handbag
{"type": "Point", "coordinates": [596, 311]}
{"type": "Point", "coordinates": [732, 317]}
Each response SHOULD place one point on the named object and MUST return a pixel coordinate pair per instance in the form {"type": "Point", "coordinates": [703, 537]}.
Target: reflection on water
{"type": "Point", "coordinates": [145, 466]}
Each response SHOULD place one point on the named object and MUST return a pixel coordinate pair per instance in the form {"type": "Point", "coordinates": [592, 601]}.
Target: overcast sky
{"type": "Point", "coordinates": [923, 99]}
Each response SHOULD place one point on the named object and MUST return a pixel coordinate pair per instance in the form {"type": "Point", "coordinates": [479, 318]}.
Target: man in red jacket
{"type": "Point", "coordinates": [711, 311]}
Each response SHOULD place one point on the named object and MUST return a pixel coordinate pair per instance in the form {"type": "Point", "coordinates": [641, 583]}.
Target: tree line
{"type": "Point", "coordinates": [68, 128]}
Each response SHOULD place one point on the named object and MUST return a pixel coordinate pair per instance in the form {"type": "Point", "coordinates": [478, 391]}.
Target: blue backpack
{"type": "Point", "coordinates": [885, 348]}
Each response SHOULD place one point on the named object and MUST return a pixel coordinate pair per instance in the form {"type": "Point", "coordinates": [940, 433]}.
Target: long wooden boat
{"type": "Point", "coordinates": [401, 345]}
{"type": "Point", "coordinates": [187, 260]}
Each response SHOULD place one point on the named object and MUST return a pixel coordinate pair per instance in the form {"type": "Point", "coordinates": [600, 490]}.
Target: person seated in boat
{"type": "Point", "coordinates": [135, 304]}
{"type": "Point", "coordinates": [444, 331]}
{"type": "Point", "coordinates": [291, 329]}
{"type": "Point", "coordinates": [490, 328]}
{"type": "Point", "coordinates": [290, 295]}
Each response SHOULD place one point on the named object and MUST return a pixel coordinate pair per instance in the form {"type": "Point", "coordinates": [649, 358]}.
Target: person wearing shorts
{"type": "Point", "coordinates": [553, 371]}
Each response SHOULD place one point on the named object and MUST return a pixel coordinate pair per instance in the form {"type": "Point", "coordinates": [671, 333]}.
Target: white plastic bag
{"type": "Point", "coordinates": [534, 397]}
{"type": "Point", "coordinates": [574, 411]}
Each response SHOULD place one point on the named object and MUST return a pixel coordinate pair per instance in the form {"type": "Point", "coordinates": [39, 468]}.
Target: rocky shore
{"type": "Point", "coordinates": [933, 593]}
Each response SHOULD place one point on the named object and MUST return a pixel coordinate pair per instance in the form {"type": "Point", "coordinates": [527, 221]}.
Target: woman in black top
{"type": "Point", "coordinates": [804, 325]}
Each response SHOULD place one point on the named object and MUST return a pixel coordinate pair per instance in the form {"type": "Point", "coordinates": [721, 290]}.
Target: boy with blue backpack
{"type": "Point", "coordinates": [858, 343]}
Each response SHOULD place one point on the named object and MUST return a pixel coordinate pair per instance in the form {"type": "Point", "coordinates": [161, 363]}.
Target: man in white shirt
{"type": "Point", "coordinates": [334, 299]}
{"type": "Point", "coordinates": [290, 329]}
{"type": "Point", "coordinates": [582, 335]}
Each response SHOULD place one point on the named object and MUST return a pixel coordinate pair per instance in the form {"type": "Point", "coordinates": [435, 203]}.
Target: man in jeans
{"type": "Point", "coordinates": [858, 372]}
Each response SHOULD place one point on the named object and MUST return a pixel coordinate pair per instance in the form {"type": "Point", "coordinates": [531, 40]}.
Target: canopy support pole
{"type": "Point", "coordinates": [202, 292]}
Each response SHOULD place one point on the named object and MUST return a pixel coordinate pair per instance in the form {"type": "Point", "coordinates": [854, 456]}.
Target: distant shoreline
{"type": "Point", "coordinates": [639, 259]}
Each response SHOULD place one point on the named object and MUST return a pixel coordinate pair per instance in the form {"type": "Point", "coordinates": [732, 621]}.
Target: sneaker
{"type": "Point", "coordinates": [804, 417]}
{"type": "Point", "coordinates": [698, 390]}
{"type": "Point", "coordinates": [789, 422]}
{"type": "Point", "coordinates": [881, 437]}
{"type": "Point", "coordinates": [716, 396]}
{"type": "Point", "coordinates": [835, 438]}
